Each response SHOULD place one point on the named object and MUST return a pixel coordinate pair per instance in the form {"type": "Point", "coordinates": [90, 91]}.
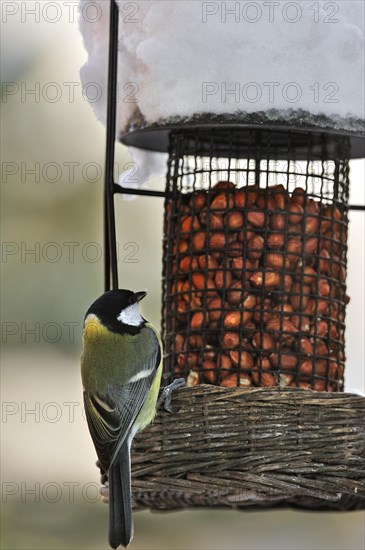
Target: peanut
{"type": "Point", "coordinates": [261, 276]}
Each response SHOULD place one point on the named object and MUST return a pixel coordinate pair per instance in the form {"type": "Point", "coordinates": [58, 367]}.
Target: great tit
{"type": "Point", "coordinates": [121, 367]}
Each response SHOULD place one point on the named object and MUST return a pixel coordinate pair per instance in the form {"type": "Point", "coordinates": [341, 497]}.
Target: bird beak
{"type": "Point", "coordinates": [140, 295]}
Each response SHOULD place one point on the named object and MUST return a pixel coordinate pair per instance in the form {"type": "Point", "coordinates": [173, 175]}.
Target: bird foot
{"type": "Point", "coordinates": [104, 493]}
{"type": "Point", "coordinates": [165, 397]}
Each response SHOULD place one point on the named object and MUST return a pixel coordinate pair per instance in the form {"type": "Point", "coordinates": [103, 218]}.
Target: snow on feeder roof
{"type": "Point", "coordinates": [287, 64]}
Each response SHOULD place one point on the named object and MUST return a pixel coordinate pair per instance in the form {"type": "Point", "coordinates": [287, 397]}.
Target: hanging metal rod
{"type": "Point", "coordinates": [119, 190]}
{"type": "Point", "coordinates": [110, 246]}
{"type": "Point", "coordinates": [356, 207]}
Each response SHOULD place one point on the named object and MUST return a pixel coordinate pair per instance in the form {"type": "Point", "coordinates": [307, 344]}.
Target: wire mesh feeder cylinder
{"type": "Point", "coordinates": [255, 259]}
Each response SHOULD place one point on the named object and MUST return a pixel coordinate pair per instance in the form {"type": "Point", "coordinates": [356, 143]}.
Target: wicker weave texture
{"type": "Point", "coordinates": [247, 448]}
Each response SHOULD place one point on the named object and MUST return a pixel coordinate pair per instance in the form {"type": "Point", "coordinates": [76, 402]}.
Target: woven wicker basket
{"type": "Point", "coordinates": [253, 448]}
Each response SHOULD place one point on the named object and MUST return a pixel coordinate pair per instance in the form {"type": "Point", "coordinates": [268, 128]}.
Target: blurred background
{"type": "Point", "coordinates": [52, 150]}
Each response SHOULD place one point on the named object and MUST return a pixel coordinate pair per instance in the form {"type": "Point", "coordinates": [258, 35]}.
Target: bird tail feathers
{"type": "Point", "coordinates": [120, 499]}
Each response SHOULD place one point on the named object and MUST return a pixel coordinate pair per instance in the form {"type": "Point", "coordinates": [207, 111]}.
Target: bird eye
{"type": "Point", "coordinates": [131, 300]}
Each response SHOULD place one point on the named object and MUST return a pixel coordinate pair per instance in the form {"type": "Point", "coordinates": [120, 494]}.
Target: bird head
{"type": "Point", "coordinates": [118, 310]}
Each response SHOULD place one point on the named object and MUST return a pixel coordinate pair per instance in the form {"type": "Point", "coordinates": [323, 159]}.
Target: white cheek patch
{"type": "Point", "coordinates": [131, 316]}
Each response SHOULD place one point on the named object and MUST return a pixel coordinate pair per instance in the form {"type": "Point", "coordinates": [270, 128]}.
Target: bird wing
{"type": "Point", "coordinates": [111, 416]}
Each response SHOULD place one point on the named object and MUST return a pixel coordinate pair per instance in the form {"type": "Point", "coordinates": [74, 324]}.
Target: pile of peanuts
{"type": "Point", "coordinates": [256, 289]}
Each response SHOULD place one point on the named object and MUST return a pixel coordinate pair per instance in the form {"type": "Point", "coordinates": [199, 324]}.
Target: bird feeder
{"type": "Point", "coordinates": [253, 311]}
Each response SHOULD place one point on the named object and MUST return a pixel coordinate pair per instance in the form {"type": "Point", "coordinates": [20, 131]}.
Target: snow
{"type": "Point", "coordinates": [144, 166]}
{"type": "Point", "coordinates": [184, 57]}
